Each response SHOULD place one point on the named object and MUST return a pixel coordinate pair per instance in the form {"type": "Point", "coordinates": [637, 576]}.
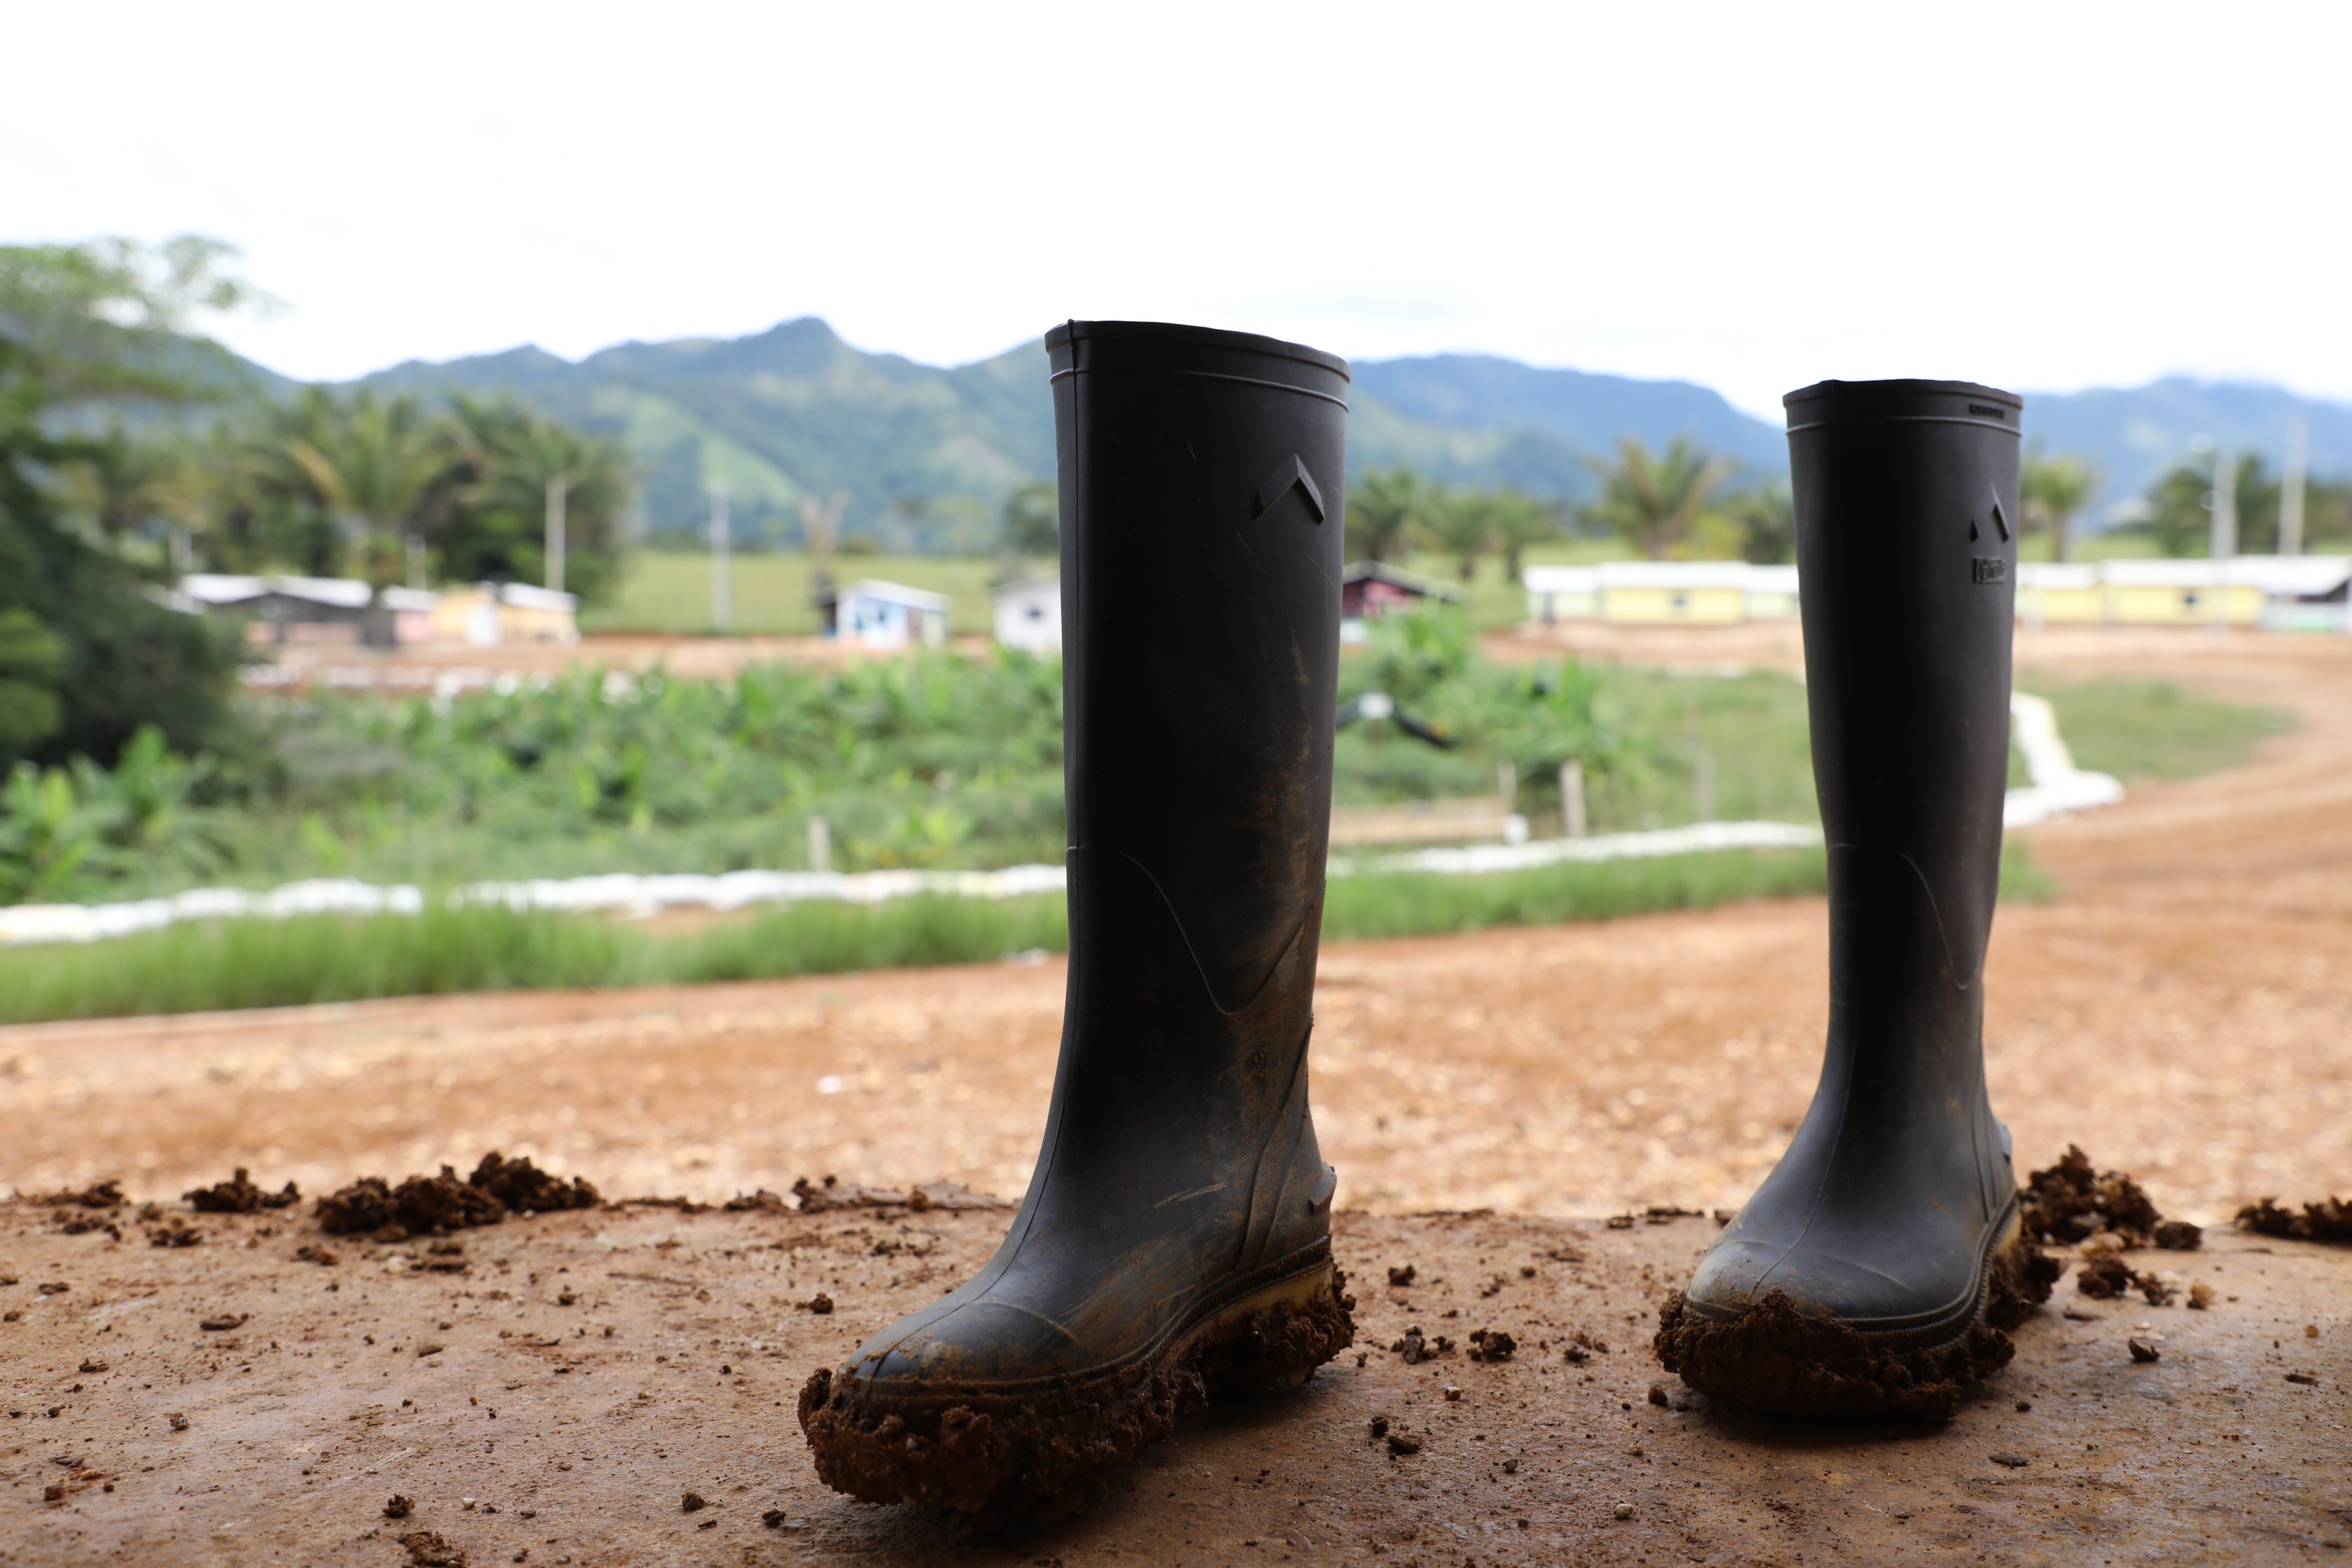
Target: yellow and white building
{"type": "Point", "coordinates": [1661, 593]}
{"type": "Point", "coordinates": [2307, 593]}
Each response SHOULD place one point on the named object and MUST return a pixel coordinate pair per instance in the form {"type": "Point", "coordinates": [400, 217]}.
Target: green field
{"type": "Point", "coordinates": [2152, 730]}
{"type": "Point", "coordinates": [668, 591]}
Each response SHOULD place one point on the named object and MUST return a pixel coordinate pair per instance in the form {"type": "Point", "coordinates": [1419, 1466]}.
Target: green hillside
{"type": "Point", "coordinates": [926, 454]}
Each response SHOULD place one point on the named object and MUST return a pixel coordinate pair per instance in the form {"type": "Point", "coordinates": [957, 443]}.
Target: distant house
{"type": "Point", "coordinates": [1561, 593]}
{"type": "Point", "coordinates": [490, 614]}
{"type": "Point", "coordinates": [890, 615]}
{"type": "Point", "coordinates": [1371, 589]}
{"type": "Point", "coordinates": [1029, 614]}
{"type": "Point", "coordinates": [303, 610]}
{"type": "Point", "coordinates": [2059, 593]}
{"type": "Point", "coordinates": [2302, 593]}
{"type": "Point", "coordinates": [1661, 593]}
{"type": "Point", "coordinates": [1771, 593]}
{"type": "Point", "coordinates": [299, 610]}
{"type": "Point", "coordinates": [2284, 593]}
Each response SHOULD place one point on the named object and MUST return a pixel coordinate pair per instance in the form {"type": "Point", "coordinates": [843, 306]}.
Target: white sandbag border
{"type": "Point", "coordinates": [2058, 786]}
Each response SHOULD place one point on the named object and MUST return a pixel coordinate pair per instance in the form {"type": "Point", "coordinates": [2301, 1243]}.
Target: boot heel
{"type": "Point", "coordinates": [1279, 1335]}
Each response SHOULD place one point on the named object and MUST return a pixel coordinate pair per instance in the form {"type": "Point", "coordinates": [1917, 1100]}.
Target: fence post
{"type": "Point", "coordinates": [1571, 798]}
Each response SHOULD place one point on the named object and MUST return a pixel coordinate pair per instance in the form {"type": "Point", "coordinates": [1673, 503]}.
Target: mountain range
{"type": "Point", "coordinates": [926, 453]}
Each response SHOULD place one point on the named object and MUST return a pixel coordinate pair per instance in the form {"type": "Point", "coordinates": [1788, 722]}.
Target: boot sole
{"type": "Point", "coordinates": [1031, 1452]}
{"type": "Point", "coordinates": [1778, 1359]}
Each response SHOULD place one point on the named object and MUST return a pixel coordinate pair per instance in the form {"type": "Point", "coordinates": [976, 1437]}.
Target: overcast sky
{"type": "Point", "coordinates": [2045, 197]}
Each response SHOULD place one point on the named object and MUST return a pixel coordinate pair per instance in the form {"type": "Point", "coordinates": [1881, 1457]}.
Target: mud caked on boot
{"type": "Point", "coordinates": [1176, 1234]}
{"type": "Point", "coordinates": [1873, 1271]}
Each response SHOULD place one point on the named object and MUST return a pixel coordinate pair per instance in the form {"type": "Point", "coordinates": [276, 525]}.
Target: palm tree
{"type": "Point", "coordinates": [1382, 509]}
{"type": "Point", "coordinates": [1517, 522]}
{"type": "Point", "coordinates": [1460, 523]}
{"type": "Point", "coordinates": [1654, 502]}
{"type": "Point", "coordinates": [380, 469]}
{"type": "Point", "coordinates": [510, 457]}
{"type": "Point", "coordinates": [1766, 520]}
{"type": "Point", "coordinates": [2054, 489]}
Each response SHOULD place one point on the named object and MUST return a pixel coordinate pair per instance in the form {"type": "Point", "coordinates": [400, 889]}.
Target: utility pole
{"type": "Point", "coordinates": [557, 489]}
{"type": "Point", "coordinates": [722, 592]}
{"type": "Point", "coordinates": [2225, 532]}
{"type": "Point", "coordinates": [2291, 486]}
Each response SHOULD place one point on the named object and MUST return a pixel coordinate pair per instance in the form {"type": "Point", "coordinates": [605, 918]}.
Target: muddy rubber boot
{"type": "Point", "coordinates": [1873, 1271]}
{"type": "Point", "coordinates": [1176, 1234]}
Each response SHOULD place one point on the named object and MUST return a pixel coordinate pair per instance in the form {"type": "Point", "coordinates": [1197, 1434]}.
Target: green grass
{"type": "Point", "coordinates": [207, 966]}
{"type": "Point", "coordinates": [669, 591]}
{"type": "Point", "coordinates": [2140, 730]}
{"type": "Point", "coordinates": [1407, 903]}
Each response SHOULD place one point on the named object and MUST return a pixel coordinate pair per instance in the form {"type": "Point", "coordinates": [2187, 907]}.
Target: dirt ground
{"type": "Point", "coordinates": [2183, 1008]}
{"type": "Point", "coordinates": [557, 1400]}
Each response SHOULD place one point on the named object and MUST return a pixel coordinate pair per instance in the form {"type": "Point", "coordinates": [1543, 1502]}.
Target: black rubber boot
{"type": "Point", "coordinates": [1874, 1269]}
{"type": "Point", "coordinates": [1176, 1234]}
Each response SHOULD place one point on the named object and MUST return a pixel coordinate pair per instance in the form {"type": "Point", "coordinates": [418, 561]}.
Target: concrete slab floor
{"type": "Point", "coordinates": [551, 1393]}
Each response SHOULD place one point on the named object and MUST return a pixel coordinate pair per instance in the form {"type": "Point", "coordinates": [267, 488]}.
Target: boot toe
{"type": "Point", "coordinates": [1910, 1289]}
{"type": "Point", "coordinates": [965, 1343]}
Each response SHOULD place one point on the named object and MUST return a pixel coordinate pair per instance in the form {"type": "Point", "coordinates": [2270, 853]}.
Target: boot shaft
{"type": "Point", "coordinates": [1906, 509]}
{"type": "Point", "coordinates": [1202, 477]}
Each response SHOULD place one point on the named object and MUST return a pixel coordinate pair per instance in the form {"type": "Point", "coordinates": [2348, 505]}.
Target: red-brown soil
{"type": "Point", "coordinates": [564, 1393]}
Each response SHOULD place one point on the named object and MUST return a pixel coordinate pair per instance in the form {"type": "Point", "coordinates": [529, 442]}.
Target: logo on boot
{"type": "Point", "coordinates": [1990, 569]}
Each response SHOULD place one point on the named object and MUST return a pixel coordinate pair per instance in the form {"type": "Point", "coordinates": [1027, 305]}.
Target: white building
{"type": "Point", "coordinates": [1661, 593]}
{"type": "Point", "coordinates": [2285, 592]}
{"type": "Point", "coordinates": [1029, 614]}
{"type": "Point", "coordinates": [285, 609]}
{"type": "Point", "coordinates": [890, 615]}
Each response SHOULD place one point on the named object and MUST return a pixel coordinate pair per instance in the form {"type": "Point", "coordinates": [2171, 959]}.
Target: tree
{"type": "Point", "coordinates": [2178, 514]}
{"type": "Point", "coordinates": [1766, 517]}
{"type": "Point", "coordinates": [382, 470]}
{"type": "Point", "coordinates": [86, 657]}
{"type": "Point", "coordinates": [1459, 523]}
{"type": "Point", "coordinates": [1384, 507]}
{"type": "Point", "coordinates": [2053, 490]}
{"type": "Point", "coordinates": [1033, 519]}
{"type": "Point", "coordinates": [1518, 522]}
{"type": "Point", "coordinates": [505, 456]}
{"type": "Point", "coordinates": [1654, 504]}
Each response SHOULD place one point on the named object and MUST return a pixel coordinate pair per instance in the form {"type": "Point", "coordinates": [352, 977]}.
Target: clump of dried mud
{"type": "Point", "coordinates": [2328, 1221]}
{"type": "Point", "coordinates": [106, 1195]}
{"type": "Point", "coordinates": [443, 1203]}
{"type": "Point", "coordinates": [832, 1193]}
{"type": "Point", "coordinates": [2104, 1276]}
{"type": "Point", "coordinates": [2070, 1202]}
{"type": "Point", "coordinates": [238, 1194]}
{"type": "Point", "coordinates": [522, 1185]}
{"type": "Point", "coordinates": [1784, 1361]}
{"type": "Point", "coordinates": [1006, 1459]}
